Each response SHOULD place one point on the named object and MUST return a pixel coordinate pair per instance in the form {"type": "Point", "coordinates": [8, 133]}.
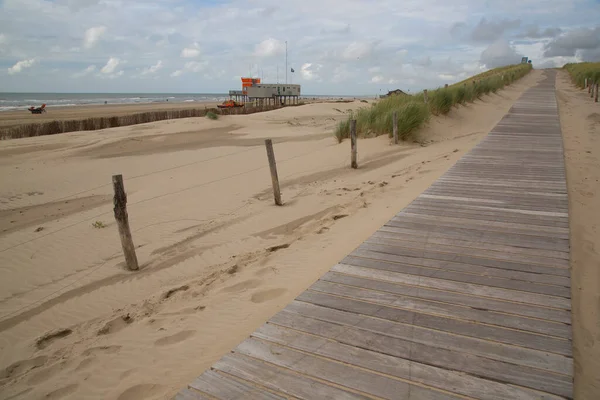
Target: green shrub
{"type": "Point", "coordinates": [211, 115]}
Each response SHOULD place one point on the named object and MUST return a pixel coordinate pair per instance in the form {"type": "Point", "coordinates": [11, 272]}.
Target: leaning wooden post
{"type": "Point", "coordinates": [353, 162]}
{"type": "Point", "coordinates": [120, 202]}
{"type": "Point", "coordinates": [395, 130]}
{"type": "Point", "coordinates": [425, 96]}
{"type": "Point", "coordinates": [273, 167]}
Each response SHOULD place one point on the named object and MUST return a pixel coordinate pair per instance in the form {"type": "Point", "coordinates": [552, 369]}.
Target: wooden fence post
{"type": "Point", "coordinates": [353, 162]}
{"type": "Point", "coordinates": [589, 87]}
{"type": "Point", "coordinates": [596, 96]}
{"type": "Point", "coordinates": [273, 168]}
{"type": "Point", "coordinates": [425, 95]}
{"type": "Point", "coordinates": [592, 86]}
{"type": "Point", "coordinates": [586, 83]}
{"type": "Point", "coordinates": [395, 130]}
{"type": "Point", "coordinates": [120, 210]}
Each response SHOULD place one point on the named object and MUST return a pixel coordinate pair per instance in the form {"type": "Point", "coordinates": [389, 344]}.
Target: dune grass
{"type": "Point", "coordinates": [413, 112]}
{"type": "Point", "coordinates": [580, 71]}
{"type": "Point", "coordinates": [211, 115]}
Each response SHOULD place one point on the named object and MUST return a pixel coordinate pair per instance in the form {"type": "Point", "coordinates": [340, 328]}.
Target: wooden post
{"type": "Point", "coordinates": [273, 167]}
{"type": "Point", "coordinates": [353, 162]}
{"type": "Point", "coordinates": [596, 96]}
{"type": "Point", "coordinates": [589, 85]}
{"type": "Point", "coordinates": [395, 131]}
{"type": "Point", "coordinates": [425, 95]}
{"type": "Point", "coordinates": [592, 86]}
{"type": "Point", "coordinates": [586, 83]}
{"type": "Point", "coordinates": [120, 210]}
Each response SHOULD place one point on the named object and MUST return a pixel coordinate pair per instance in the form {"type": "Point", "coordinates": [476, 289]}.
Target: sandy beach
{"type": "Point", "coordinates": [217, 257]}
{"type": "Point", "coordinates": [580, 122]}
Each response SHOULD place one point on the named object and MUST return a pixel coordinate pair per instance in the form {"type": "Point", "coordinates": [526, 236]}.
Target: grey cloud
{"type": "Point", "coordinates": [488, 31]}
{"type": "Point", "coordinates": [499, 54]}
{"type": "Point", "coordinates": [533, 32]}
{"type": "Point", "coordinates": [567, 44]}
{"type": "Point", "coordinates": [457, 29]}
{"type": "Point", "coordinates": [424, 62]}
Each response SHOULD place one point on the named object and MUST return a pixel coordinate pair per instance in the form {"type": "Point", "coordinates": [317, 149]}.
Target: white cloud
{"type": "Point", "coordinates": [152, 69]}
{"type": "Point", "coordinates": [358, 50]}
{"type": "Point", "coordinates": [92, 36]}
{"type": "Point", "coordinates": [309, 71]}
{"type": "Point", "coordinates": [195, 66]}
{"type": "Point", "coordinates": [177, 73]}
{"type": "Point", "coordinates": [499, 54]}
{"type": "Point", "coordinates": [191, 52]}
{"type": "Point", "coordinates": [85, 72]}
{"type": "Point", "coordinates": [21, 65]}
{"type": "Point", "coordinates": [269, 47]}
{"type": "Point", "coordinates": [377, 79]}
{"type": "Point", "coordinates": [110, 66]}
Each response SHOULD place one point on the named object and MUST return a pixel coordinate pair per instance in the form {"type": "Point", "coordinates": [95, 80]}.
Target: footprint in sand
{"type": "Point", "coordinates": [266, 295]}
{"type": "Point", "coordinates": [116, 325]}
{"type": "Point", "coordinates": [22, 366]}
{"type": "Point", "coordinates": [176, 338]}
{"type": "Point", "coordinates": [62, 392]}
{"type": "Point", "coordinates": [46, 373]}
{"type": "Point", "coordinates": [93, 351]}
{"type": "Point", "coordinates": [245, 285]}
{"type": "Point", "coordinates": [141, 391]}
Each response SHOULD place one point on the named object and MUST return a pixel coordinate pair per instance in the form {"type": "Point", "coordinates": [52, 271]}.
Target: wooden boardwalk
{"type": "Point", "coordinates": [463, 294]}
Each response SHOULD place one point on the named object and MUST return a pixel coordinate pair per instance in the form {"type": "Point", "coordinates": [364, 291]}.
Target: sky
{"type": "Point", "coordinates": [344, 47]}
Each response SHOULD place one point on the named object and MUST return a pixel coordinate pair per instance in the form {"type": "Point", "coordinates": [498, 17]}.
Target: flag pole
{"type": "Point", "coordinates": [286, 62]}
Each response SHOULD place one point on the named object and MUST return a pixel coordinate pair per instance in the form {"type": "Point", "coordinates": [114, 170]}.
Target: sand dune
{"type": "Point", "coordinates": [217, 257]}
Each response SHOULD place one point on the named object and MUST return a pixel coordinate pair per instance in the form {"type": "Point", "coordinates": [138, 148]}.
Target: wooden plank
{"type": "Point", "coordinates": [440, 378]}
{"type": "Point", "coordinates": [190, 394]}
{"type": "Point", "coordinates": [338, 373]}
{"type": "Point", "coordinates": [460, 327]}
{"type": "Point", "coordinates": [540, 360]}
{"type": "Point", "coordinates": [281, 380]}
{"type": "Point", "coordinates": [465, 259]}
{"type": "Point", "coordinates": [442, 296]}
{"type": "Point", "coordinates": [461, 267]}
{"type": "Point", "coordinates": [525, 241]}
{"type": "Point", "coordinates": [516, 296]}
{"type": "Point", "coordinates": [458, 277]}
{"type": "Point", "coordinates": [438, 239]}
{"type": "Point", "coordinates": [490, 254]}
{"type": "Point", "coordinates": [445, 310]}
{"type": "Point", "coordinates": [222, 386]}
{"type": "Point", "coordinates": [436, 356]}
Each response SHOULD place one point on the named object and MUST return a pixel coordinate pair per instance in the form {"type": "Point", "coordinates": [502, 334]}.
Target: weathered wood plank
{"type": "Point", "coordinates": [337, 373]}
{"type": "Point", "coordinates": [190, 394]}
{"type": "Point", "coordinates": [436, 356]}
{"type": "Point", "coordinates": [320, 300]}
{"type": "Point", "coordinates": [280, 380]}
{"type": "Point", "coordinates": [445, 310]}
{"type": "Point", "coordinates": [443, 296]}
{"type": "Point", "coordinates": [224, 387]}
{"type": "Point", "coordinates": [440, 378]}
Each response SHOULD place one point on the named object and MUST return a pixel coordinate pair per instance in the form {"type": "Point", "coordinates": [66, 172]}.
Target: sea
{"type": "Point", "coordinates": [16, 101]}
